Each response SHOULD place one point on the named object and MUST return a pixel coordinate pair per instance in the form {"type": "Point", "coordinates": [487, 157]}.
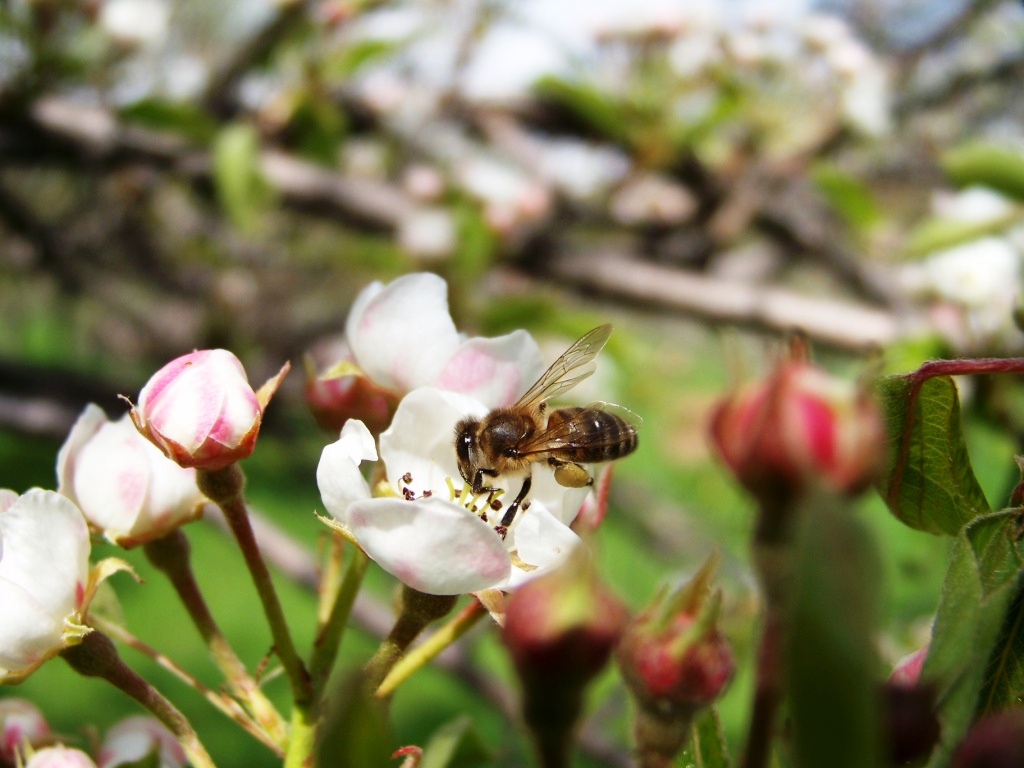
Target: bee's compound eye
{"type": "Point", "coordinates": [464, 442]}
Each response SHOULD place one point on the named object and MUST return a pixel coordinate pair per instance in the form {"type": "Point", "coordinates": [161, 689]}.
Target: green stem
{"type": "Point", "coordinates": [325, 651]}
{"type": "Point", "coordinates": [427, 651]}
{"type": "Point", "coordinates": [224, 704]}
{"type": "Point", "coordinates": [96, 656]}
{"type": "Point", "coordinates": [224, 488]}
{"type": "Point", "coordinates": [772, 556]}
{"type": "Point", "coordinates": [418, 610]}
{"type": "Point", "coordinates": [171, 555]}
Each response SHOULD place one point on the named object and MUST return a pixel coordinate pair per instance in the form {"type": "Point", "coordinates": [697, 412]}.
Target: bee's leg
{"type": "Point", "coordinates": [510, 513]}
{"type": "Point", "coordinates": [569, 474]}
{"type": "Point", "coordinates": [478, 481]}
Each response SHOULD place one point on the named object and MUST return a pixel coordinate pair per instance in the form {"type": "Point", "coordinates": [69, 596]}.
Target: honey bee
{"type": "Point", "coordinates": [510, 439]}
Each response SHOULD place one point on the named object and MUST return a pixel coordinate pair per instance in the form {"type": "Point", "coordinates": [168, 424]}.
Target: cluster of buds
{"type": "Point", "coordinates": [675, 662]}
{"type": "Point", "coordinates": [796, 428]}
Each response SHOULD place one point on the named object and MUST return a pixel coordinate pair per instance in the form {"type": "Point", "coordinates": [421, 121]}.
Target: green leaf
{"type": "Point", "coordinates": [707, 747]}
{"type": "Point", "coordinates": [989, 165]}
{"type": "Point", "coordinates": [184, 119]}
{"type": "Point", "coordinates": [852, 199]}
{"type": "Point", "coordinates": [974, 633]}
{"type": "Point", "coordinates": [455, 744]}
{"type": "Point", "coordinates": [829, 642]}
{"type": "Point", "coordinates": [928, 481]}
{"type": "Point", "coordinates": [588, 103]}
{"type": "Point", "coordinates": [241, 189]}
{"type": "Point", "coordinates": [938, 234]}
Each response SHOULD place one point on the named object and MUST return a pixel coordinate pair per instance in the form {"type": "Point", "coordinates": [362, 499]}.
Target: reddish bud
{"type": "Point", "coordinates": [200, 410]}
{"type": "Point", "coordinates": [908, 669]}
{"type": "Point", "coordinates": [996, 741]}
{"type": "Point", "coordinates": [560, 630]}
{"type": "Point", "coordinates": [797, 427]}
{"type": "Point", "coordinates": [675, 661]}
{"type": "Point", "coordinates": [344, 392]}
{"type": "Point", "coordinates": [910, 725]}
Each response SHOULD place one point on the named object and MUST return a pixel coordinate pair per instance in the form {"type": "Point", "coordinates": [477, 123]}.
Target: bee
{"type": "Point", "coordinates": [510, 439]}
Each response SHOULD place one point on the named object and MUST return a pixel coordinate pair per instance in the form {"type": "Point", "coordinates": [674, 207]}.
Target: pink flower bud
{"type": "Point", "coordinates": [200, 410]}
{"type": "Point", "coordinates": [797, 427]}
{"type": "Point", "coordinates": [560, 629]}
{"type": "Point", "coordinates": [21, 725]}
{"type": "Point", "coordinates": [675, 661]}
{"type": "Point", "coordinates": [60, 757]}
{"type": "Point", "coordinates": [134, 739]}
{"type": "Point", "coordinates": [907, 671]}
{"type": "Point", "coordinates": [344, 392]}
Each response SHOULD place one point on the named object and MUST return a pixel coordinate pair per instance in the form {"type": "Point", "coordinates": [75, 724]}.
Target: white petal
{"type": "Point", "coordinates": [563, 503]}
{"type": "Point", "coordinates": [421, 439]}
{"type": "Point", "coordinates": [7, 499]}
{"type": "Point", "coordinates": [86, 426]}
{"type": "Point", "coordinates": [494, 371]}
{"type": "Point", "coordinates": [430, 544]}
{"type": "Point", "coordinates": [45, 550]}
{"type": "Point", "coordinates": [111, 477]}
{"type": "Point", "coordinates": [338, 476]}
{"type": "Point", "coordinates": [29, 631]}
{"type": "Point", "coordinates": [401, 334]}
{"type": "Point", "coordinates": [541, 541]}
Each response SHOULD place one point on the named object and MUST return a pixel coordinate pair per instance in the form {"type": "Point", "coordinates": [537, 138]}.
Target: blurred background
{"type": "Point", "coordinates": [708, 176]}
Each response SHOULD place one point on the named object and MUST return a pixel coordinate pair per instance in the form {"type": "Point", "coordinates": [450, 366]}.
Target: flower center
{"type": "Point", "coordinates": [487, 505]}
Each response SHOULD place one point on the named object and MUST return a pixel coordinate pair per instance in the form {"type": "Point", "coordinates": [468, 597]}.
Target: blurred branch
{"type": "Point", "coordinates": [827, 320]}
{"type": "Point", "coordinates": [58, 126]}
{"type": "Point", "coordinates": [218, 95]}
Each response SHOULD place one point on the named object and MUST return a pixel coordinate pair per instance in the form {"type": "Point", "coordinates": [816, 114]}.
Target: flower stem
{"type": "Point", "coordinates": [418, 610]}
{"type": "Point", "coordinates": [325, 651]}
{"type": "Point", "coordinates": [431, 648]}
{"type": "Point", "coordinates": [224, 488]}
{"type": "Point", "coordinates": [224, 704]}
{"type": "Point", "coordinates": [96, 656]}
{"type": "Point", "coordinates": [773, 555]}
{"type": "Point", "coordinates": [171, 555]}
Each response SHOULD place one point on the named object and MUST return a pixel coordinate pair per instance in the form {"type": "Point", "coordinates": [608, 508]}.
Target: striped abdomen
{"type": "Point", "coordinates": [589, 435]}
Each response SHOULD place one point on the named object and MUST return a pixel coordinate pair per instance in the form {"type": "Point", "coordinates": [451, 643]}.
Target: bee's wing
{"type": "Point", "coordinates": [574, 432]}
{"type": "Point", "coordinates": [575, 364]}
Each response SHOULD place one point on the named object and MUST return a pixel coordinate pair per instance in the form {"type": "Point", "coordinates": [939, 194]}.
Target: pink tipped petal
{"type": "Point", "coordinates": [7, 499]}
{"type": "Point", "coordinates": [494, 371]}
{"type": "Point", "coordinates": [111, 478]}
{"type": "Point", "coordinates": [337, 475]}
{"type": "Point", "coordinates": [401, 334]}
{"type": "Point", "coordinates": [432, 545]}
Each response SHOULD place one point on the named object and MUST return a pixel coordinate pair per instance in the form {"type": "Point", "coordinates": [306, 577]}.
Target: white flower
{"type": "Point", "coordinates": [135, 23]}
{"type": "Point", "coordinates": [976, 274]}
{"type": "Point", "coordinates": [402, 337]}
{"type": "Point", "coordinates": [133, 740]}
{"type": "Point", "coordinates": [430, 531]}
{"type": "Point", "coordinates": [124, 485]}
{"type": "Point", "coordinates": [44, 571]}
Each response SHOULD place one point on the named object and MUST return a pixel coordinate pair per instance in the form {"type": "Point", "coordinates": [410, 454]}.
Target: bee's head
{"type": "Point", "coordinates": [465, 447]}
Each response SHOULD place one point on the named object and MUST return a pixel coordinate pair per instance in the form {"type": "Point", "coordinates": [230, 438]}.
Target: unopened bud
{"type": "Point", "coordinates": [799, 427]}
{"type": "Point", "coordinates": [344, 392]}
{"type": "Point", "coordinates": [675, 662]}
{"type": "Point", "coordinates": [910, 727]}
{"type": "Point", "coordinates": [560, 630]}
{"type": "Point", "coordinates": [200, 410]}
